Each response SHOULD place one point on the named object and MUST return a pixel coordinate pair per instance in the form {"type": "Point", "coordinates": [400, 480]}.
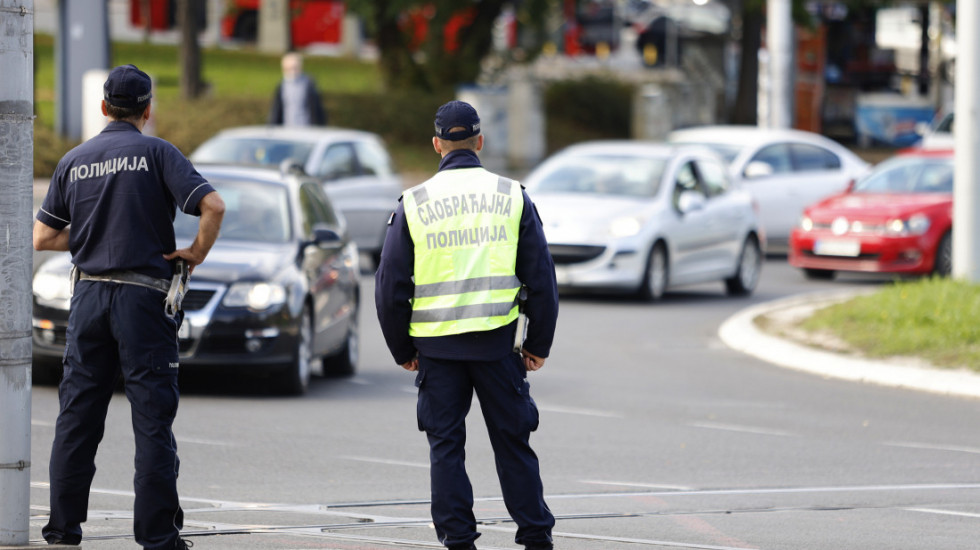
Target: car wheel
{"type": "Point", "coordinates": [344, 362]}
{"type": "Point", "coordinates": [656, 275]}
{"type": "Point", "coordinates": [818, 274]}
{"type": "Point", "coordinates": [297, 377]}
{"type": "Point", "coordinates": [748, 270]}
{"type": "Point", "coordinates": [943, 262]}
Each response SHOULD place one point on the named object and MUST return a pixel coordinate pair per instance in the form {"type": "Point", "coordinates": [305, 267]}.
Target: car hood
{"type": "Point", "coordinates": [877, 205]}
{"type": "Point", "coordinates": [577, 217]}
{"type": "Point", "coordinates": [230, 261]}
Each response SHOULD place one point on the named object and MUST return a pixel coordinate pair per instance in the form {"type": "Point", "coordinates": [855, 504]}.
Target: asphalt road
{"type": "Point", "coordinates": [653, 435]}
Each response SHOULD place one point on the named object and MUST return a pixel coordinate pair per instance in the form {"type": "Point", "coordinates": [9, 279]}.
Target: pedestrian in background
{"type": "Point", "coordinates": [112, 202]}
{"type": "Point", "coordinates": [459, 249]}
{"type": "Point", "coordinates": [296, 101]}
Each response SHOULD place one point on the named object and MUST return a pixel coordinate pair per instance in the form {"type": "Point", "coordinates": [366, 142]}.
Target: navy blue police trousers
{"type": "Point", "coordinates": [445, 390]}
{"type": "Point", "coordinates": [117, 327]}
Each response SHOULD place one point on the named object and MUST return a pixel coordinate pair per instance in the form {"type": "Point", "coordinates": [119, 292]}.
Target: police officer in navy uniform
{"type": "Point", "coordinates": [112, 202]}
{"type": "Point", "coordinates": [459, 249]}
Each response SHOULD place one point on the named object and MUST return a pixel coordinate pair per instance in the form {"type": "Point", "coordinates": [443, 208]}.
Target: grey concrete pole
{"type": "Point", "coordinates": [779, 43]}
{"type": "Point", "coordinates": [82, 45]}
{"type": "Point", "coordinates": [966, 196]}
{"type": "Point", "coordinates": [16, 206]}
{"type": "Point", "coordinates": [274, 26]}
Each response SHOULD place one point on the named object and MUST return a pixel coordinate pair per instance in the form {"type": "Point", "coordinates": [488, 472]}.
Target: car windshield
{"type": "Point", "coordinates": [251, 150]}
{"type": "Point", "coordinates": [253, 212]}
{"type": "Point", "coordinates": [910, 175]}
{"type": "Point", "coordinates": [601, 174]}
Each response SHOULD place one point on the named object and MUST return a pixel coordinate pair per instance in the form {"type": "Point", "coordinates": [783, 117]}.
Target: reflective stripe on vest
{"type": "Point", "coordinates": [465, 225]}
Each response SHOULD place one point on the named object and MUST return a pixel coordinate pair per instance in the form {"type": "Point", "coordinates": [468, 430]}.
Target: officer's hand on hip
{"type": "Point", "coordinates": [412, 365]}
{"type": "Point", "coordinates": [532, 362]}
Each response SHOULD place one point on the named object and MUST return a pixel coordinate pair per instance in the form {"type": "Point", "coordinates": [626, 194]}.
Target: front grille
{"type": "Point", "coordinates": [196, 299]}
{"type": "Point", "coordinates": [860, 257]}
{"type": "Point", "coordinates": [564, 254]}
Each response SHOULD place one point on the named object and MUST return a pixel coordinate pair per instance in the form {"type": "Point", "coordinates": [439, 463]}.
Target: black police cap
{"type": "Point", "coordinates": [127, 87]}
{"type": "Point", "coordinates": [457, 114]}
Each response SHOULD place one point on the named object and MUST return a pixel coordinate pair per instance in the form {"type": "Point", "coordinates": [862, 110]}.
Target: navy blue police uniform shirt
{"type": "Point", "coordinates": [120, 191]}
{"type": "Point", "coordinates": [394, 290]}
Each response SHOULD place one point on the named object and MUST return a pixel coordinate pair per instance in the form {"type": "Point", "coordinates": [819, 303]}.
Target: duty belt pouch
{"type": "Point", "coordinates": [521, 333]}
{"type": "Point", "coordinates": [73, 277]}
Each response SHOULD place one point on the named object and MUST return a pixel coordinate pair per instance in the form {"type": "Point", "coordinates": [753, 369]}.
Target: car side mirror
{"type": "Point", "coordinates": [291, 166]}
{"type": "Point", "coordinates": [689, 201]}
{"type": "Point", "coordinates": [758, 169]}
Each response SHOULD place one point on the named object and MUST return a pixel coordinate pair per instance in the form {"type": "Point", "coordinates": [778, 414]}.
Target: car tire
{"type": "Point", "coordinates": [818, 274]}
{"type": "Point", "coordinates": [344, 362]}
{"type": "Point", "coordinates": [656, 275]}
{"type": "Point", "coordinates": [942, 264]}
{"type": "Point", "coordinates": [748, 269]}
{"type": "Point", "coordinates": [296, 379]}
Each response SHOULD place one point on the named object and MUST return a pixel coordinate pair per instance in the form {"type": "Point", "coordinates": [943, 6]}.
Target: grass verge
{"type": "Point", "coordinates": [935, 319]}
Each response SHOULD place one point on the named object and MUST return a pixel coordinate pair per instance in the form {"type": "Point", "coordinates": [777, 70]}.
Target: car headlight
{"type": "Point", "coordinates": [917, 224]}
{"type": "Point", "coordinates": [52, 290]}
{"type": "Point", "coordinates": [806, 224]}
{"type": "Point", "coordinates": [255, 296]}
{"type": "Point", "coordinates": [625, 227]}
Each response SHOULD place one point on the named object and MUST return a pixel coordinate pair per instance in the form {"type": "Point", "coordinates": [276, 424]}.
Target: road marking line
{"type": "Point", "coordinates": [743, 429]}
{"type": "Point", "coordinates": [214, 442]}
{"type": "Point", "coordinates": [912, 445]}
{"type": "Point", "coordinates": [944, 512]}
{"type": "Point", "coordinates": [636, 484]}
{"type": "Point", "coordinates": [583, 412]}
{"type": "Point", "coordinates": [385, 461]}
{"type": "Point", "coordinates": [44, 423]}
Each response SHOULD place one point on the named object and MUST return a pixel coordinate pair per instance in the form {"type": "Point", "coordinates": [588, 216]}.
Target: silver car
{"type": "Point", "coordinates": [353, 166]}
{"type": "Point", "coordinates": [784, 170]}
{"type": "Point", "coordinates": [644, 217]}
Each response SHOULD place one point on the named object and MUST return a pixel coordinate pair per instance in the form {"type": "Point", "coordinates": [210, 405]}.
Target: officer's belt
{"type": "Point", "coordinates": [129, 278]}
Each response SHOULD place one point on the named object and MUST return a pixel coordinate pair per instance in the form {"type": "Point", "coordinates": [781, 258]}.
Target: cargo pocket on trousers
{"type": "Point", "coordinates": [528, 404]}
{"type": "Point", "coordinates": [422, 405]}
{"type": "Point", "coordinates": [160, 385]}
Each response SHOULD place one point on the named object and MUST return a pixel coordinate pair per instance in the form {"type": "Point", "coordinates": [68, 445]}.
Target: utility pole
{"type": "Point", "coordinates": [779, 43]}
{"type": "Point", "coordinates": [966, 196]}
{"type": "Point", "coordinates": [16, 206]}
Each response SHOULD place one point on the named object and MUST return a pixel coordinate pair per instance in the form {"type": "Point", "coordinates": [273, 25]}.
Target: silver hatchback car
{"type": "Point", "coordinates": [353, 166]}
{"type": "Point", "coordinates": [645, 217]}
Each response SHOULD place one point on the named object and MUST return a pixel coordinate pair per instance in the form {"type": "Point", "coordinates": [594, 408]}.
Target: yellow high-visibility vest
{"type": "Point", "coordinates": [465, 225]}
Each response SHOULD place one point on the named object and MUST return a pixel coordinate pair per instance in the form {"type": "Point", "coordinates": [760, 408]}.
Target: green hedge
{"type": "Point", "coordinates": [574, 111]}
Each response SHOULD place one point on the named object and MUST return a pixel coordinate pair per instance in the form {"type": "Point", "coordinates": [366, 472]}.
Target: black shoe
{"type": "Point", "coordinates": [67, 541]}
{"type": "Point", "coordinates": [540, 546]}
{"type": "Point", "coordinates": [467, 546]}
{"type": "Point", "coordinates": [183, 544]}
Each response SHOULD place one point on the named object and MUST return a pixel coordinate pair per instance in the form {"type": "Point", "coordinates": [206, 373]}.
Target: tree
{"type": "Point", "coordinates": [433, 44]}
{"type": "Point", "coordinates": [191, 84]}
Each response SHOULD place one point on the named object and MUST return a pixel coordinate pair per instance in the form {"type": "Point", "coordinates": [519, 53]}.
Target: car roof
{"type": "Point", "coordinates": [744, 135]}
{"type": "Point", "coordinates": [634, 147]}
{"type": "Point", "coordinates": [305, 133]}
{"type": "Point", "coordinates": [258, 174]}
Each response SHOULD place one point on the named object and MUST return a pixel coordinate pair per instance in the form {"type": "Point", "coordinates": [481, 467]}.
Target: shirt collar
{"type": "Point", "coordinates": [460, 158]}
{"type": "Point", "coordinates": [120, 126]}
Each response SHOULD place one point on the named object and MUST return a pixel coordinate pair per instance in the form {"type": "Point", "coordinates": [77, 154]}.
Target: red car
{"type": "Point", "coordinates": [898, 219]}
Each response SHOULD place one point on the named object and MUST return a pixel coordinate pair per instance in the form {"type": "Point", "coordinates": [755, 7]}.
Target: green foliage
{"type": "Point", "coordinates": [936, 319]}
{"type": "Point", "coordinates": [592, 108]}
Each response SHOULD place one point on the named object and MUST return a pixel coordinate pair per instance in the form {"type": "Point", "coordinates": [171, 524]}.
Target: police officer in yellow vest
{"type": "Point", "coordinates": [460, 249]}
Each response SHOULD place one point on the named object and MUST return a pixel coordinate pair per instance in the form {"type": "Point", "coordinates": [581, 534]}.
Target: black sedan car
{"type": "Point", "coordinates": [278, 294]}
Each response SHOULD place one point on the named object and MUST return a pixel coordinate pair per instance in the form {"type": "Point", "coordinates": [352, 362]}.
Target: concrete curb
{"type": "Point", "coordinates": [740, 333]}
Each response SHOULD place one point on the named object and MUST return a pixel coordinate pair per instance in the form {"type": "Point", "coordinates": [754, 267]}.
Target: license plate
{"type": "Point", "coordinates": [184, 332]}
{"type": "Point", "coordinates": [837, 247]}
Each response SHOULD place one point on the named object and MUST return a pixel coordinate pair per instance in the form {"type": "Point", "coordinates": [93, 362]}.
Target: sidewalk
{"type": "Point", "coordinates": [742, 333]}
